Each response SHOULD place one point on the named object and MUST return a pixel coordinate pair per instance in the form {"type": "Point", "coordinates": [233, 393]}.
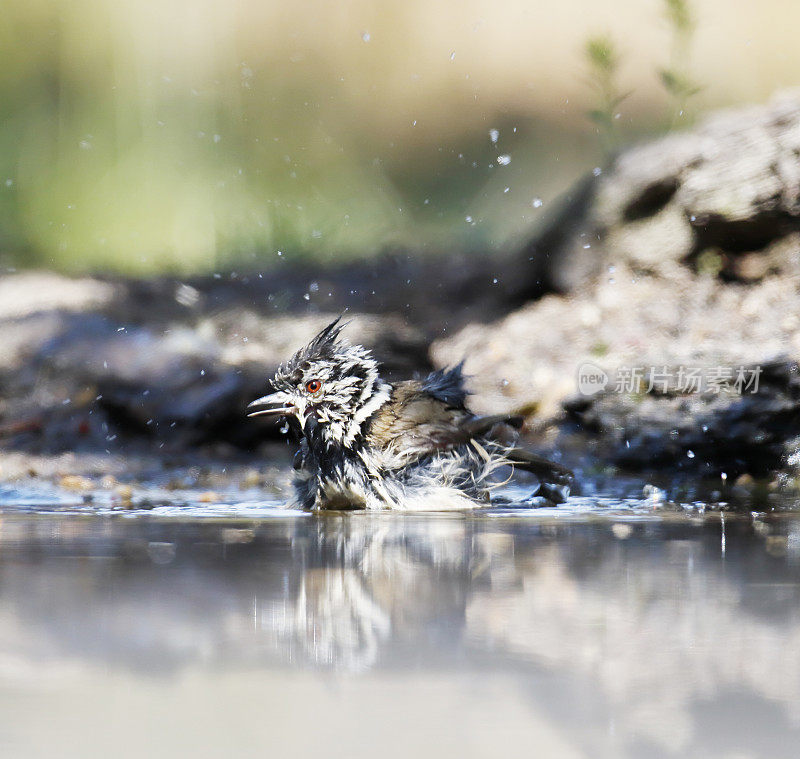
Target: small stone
{"type": "Point", "coordinates": [75, 482]}
{"type": "Point", "coordinates": [125, 495]}
{"type": "Point", "coordinates": [252, 479]}
{"type": "Point", "coordinates": [751, 267]}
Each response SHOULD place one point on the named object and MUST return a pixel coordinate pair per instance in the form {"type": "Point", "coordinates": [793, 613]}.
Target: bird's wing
{"type": "Point", "coordinates": [447, 386]}
{"type": "Point", "coordinates": [416, 423]}
{"type": "Point", "coordinates": [478, 426]}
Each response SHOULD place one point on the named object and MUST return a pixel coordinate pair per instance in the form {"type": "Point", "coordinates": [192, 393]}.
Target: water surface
{"type": "Point", "coordinates": [609, 628]}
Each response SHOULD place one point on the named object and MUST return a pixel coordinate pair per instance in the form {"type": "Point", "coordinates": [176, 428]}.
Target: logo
{"type": "Point", "coordinates": [591, 379]}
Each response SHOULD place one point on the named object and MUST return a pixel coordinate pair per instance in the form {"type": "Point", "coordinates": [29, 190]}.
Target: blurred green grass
{"type": "Point", "coordinates": [184, 136]}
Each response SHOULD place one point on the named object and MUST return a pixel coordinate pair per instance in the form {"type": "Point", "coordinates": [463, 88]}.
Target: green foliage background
{"type": "Point", "coordinates": [189, 135]}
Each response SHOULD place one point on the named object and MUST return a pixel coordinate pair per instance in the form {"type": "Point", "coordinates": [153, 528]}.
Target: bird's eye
{"type": "Point", "coordinates": [313, 385]}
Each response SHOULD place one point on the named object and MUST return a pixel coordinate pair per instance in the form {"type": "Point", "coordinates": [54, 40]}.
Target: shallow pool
{"type": "Point", "coordinates": [606, 628]}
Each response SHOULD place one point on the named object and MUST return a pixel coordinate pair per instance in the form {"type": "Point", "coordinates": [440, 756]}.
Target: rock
{"type": "Point", "coordinates": [680, 255]}
{"type": "Point", "coordinates": [734, 433]}
{"type": "Point", "coordinates": [663, 239]}
{"type": "Point", "coordinates": [781, 257]}
{"type": "Point", "coordinates": [654, 326]}
{"type": "Point", "coordinates": [75, 482]}
{"type": "Point", "coordinates": [530, 359]}
{"type": "Point", "coordinates": [733, 183]}
{"type": "Point", "coordinates": [35, 292]}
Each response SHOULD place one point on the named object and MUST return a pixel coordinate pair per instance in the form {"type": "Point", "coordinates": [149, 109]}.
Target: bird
{"type": "Point", "coordinates": [366, 443]}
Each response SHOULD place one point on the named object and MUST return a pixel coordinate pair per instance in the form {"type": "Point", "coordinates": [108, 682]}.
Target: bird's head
{"type": "Point", "coordinates": [330, 387]}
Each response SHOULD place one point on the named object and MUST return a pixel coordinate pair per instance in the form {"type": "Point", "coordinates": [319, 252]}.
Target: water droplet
{"type": "Point", "coordinates": [504, 159]}
{"type": "Point", "coordinates": [690, 454]}
{"type": "Point", "coordinates": [597, 171]}
{"type": "Point", "coordinates": [217, 138]}
{"type": "Point", "coordinates": [468, 219]}
{"type": "Point", "coordinates": [453, 55]}
{"type": "Point", "coordinates": [494, 281]}
{"type": "Point", "coordinates": [537, 202]}
{"type": "Point", "coordinates": [365, 36]}
{"type": "Point", "coordinates": [494, 135]}
{"type": "Point", "coordinates": [306, 296]}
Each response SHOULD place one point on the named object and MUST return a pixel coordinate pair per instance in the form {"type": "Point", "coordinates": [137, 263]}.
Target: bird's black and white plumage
{"type": "Point", "coordinates": [366, 443]}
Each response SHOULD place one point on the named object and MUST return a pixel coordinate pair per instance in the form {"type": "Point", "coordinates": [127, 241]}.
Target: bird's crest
{"type": "Point", "coordinates": [323, 346]}
{"type": "Point", "coordinates": [327, 354]}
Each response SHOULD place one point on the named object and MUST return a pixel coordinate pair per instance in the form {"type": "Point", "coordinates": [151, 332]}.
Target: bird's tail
{"type": "Point", "coordinates": [544, 469]}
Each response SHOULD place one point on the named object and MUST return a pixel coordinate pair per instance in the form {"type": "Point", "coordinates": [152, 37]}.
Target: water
{"type": "Point", "coordinates": [609, 628]}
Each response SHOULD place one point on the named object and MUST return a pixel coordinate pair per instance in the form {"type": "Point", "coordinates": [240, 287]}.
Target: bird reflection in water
{"type": "Point", "coordinates": [646, 619]}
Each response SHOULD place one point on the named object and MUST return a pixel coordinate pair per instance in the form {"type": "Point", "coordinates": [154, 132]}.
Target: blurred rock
{"type": "Point", "coordinates": [732, 183]}
{"type": "Point", "coordinates": [88, 365]}
{"type": "Point", "coordinates": [530, 359]}
{"type": "Point", "coordinates": [34, 292]}
{"type": "Point", "coordinates": [684, 252]}
{"type": "Point", "coordinates": [710, 433]}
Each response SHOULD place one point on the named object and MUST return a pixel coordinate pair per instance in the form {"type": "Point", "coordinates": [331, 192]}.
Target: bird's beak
{"type": "Point", "coordinates": [276, 404]}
